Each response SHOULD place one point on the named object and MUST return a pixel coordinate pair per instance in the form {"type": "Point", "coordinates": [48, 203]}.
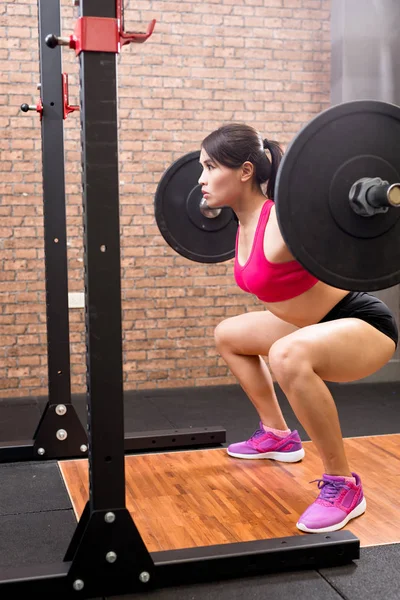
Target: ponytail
{"type": "Point", "coordinates": [276, 157]}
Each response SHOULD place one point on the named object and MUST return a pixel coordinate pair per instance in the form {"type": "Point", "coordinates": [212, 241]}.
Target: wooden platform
{"type": "Point", "coordinates": [205, 497]}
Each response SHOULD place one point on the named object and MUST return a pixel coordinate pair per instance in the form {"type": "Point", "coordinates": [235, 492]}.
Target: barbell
{"type": "Point", "coordinates": [336, 193]}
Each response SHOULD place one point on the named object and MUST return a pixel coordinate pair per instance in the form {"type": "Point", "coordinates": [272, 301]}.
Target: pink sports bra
{"type": "Point", "coordinates": [270, 282]}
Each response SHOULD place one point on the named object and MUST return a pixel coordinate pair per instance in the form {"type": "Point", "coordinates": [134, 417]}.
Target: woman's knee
{"type": "Point", "coordinates": [289, 361]}
{"type": "Point", "coordinates": [225, 334]}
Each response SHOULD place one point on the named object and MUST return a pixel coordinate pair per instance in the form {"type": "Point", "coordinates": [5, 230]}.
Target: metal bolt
{"type": "Point", "coordinates": [109, 517]}
{"type": "Point", "coordinates": [78, 585]}
{"type": "Point", "coordinates": [61, 409]}
{"type": "Point", "coordinates": [41, 451]}
{"type": "Point", "coordinates": [111, 557]}
{"type": "Point", "coordinates": [39, 86]}
{"type": "Point", "coordinates": [144, 577]}
{"type": "Point", "coordinates": [61, 435]}
{"type": "Point", "coordinates": [83, 448]}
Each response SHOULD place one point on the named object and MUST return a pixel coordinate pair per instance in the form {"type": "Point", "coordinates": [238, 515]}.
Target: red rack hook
{"type": "Point", "coordinates": [67, 108]}
{"type": "Point", "coordinates": [127, 38]}
{"type": "Point", "coordinates": [137, 38]}
{"type": "Point", "coordinates": [100, 34]}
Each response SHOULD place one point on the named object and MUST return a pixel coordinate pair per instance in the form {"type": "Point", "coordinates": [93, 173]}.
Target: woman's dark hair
{"type": "Point", "coordinates": [235, 143]}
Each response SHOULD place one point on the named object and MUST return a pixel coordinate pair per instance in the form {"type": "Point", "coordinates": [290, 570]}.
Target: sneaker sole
{"type": "Point", "coordinates": [281, 456]}
{"type": "Point", "coordinates": [356, 512]}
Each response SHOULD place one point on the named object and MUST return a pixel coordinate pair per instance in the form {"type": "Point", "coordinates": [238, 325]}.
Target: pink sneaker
{"type": "Point", "coordinates": [338, 502]}
{"type": "Point", "coordinates": [264, 444]}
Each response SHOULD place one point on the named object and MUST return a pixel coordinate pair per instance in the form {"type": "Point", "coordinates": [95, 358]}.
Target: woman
{"type": "Point", "coordinates": [310, 331]}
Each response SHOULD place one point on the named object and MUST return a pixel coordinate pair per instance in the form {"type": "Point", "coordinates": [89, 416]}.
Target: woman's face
{"type": "Point", "coordinates": [220, 185]}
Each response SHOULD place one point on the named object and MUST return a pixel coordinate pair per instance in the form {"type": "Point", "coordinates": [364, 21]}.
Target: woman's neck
{"type": "Point", "coordinates": [248, 209]}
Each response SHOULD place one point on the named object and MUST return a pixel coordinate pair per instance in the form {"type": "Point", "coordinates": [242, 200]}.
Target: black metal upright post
{"type": "Point", "coordinates": [100, 181]}
{"type": "Point", "coordinates": [106, 531]}
{"type": "Point", "coordinates": [55, 226]}
{"type": "Point", "coordinates": [59, 432]}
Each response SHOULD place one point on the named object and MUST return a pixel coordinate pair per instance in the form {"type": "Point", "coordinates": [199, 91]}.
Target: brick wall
{"type": "Point", "coordinates": [265, 62]}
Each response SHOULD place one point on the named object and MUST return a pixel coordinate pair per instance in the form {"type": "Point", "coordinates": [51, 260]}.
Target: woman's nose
{"type": "Point", "coordinates": [201, 179]}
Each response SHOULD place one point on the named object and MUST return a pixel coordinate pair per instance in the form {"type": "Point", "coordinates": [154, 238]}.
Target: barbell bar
{"type": "Point", "coordinates": [336, 193]}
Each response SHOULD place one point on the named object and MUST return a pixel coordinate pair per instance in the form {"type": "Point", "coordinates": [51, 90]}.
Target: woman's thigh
{"type": "Point", "coordinates": [338, 351]}
{"type": "Point", "coordinates": [252, 333]}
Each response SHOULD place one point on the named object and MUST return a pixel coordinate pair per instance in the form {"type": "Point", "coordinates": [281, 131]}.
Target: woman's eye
{"type": "Point", "coordinates": [210, 167]}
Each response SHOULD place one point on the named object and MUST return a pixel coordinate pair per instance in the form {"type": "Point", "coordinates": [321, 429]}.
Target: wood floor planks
{"type": "Point", "coordinates": [205, 497]}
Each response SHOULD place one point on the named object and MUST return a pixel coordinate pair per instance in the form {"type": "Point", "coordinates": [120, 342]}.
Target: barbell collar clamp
{"type": "Point", "coordinates": [368, 196]}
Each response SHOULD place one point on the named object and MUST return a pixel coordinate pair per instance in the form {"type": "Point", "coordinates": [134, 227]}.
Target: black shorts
{"type": "Point", "coordinates": [360, 305]}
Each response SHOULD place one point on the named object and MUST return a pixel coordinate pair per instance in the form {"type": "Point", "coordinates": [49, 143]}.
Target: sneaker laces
{"type": "Point", "coordinates": [258, 433]}
{"type": "Point", "coordinates": [329, 489]}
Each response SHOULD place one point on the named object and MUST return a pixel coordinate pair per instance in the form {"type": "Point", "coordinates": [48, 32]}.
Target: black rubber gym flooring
{"type": "Point", "coordinates": [37, 520]}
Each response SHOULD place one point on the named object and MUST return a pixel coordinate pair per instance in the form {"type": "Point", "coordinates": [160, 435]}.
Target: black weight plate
{"type": "Point", "coordinates": [180, 220]}
{"type": "Point", "coordinates": [342, 144]}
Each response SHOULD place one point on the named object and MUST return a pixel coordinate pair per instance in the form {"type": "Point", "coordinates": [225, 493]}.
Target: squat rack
{"type": "Point", "coordinates": [106, 555]}
{"type": "Point", "coordinates": [59, 433]}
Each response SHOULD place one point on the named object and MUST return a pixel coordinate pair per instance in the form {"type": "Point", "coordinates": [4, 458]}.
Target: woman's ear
{"type": "Point", "coordinates": [247, 171]}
